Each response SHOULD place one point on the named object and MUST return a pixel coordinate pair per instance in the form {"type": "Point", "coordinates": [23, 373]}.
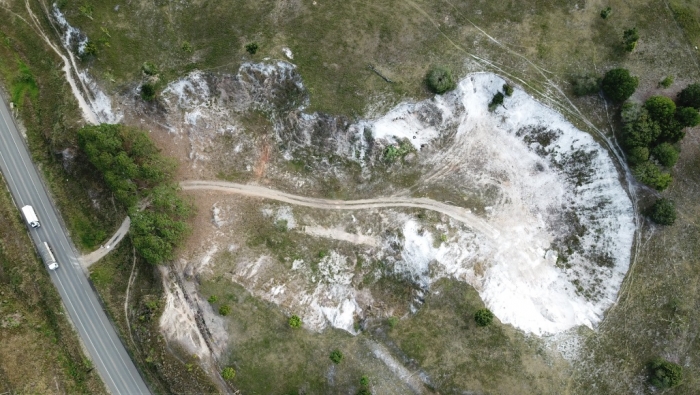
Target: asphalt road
{"type": "Point", "coordinates": [96, 332]}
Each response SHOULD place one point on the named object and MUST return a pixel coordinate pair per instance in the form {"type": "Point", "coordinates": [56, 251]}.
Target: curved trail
{"type": "Point", "coordinates": [458, 213]}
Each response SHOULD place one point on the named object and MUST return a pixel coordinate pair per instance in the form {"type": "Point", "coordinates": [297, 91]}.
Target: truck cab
{"type": "Point", "coordinates": [30, 216]}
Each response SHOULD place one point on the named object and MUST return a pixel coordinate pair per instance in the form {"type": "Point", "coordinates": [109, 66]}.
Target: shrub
{"type": "Point", "coordinates": [667, 81]}
{"type": "Point", "coordinates": [585, 85]}
{"type": "Point", "coordinates": [630, 38]}
{"type": "Point", "coordinates": [661, 109]}
{"type": "Point", "coordinates": [186, 47]}
{"type": "Point", "coordinates": [393, 152]}
{"type": "Point", "coordinates": [687, 116]}
{"type": "Point", "coordinates": [439, 80]}
{"type": "Point", "coordinates": [618, 85]}
{"type": "Point", "coordinates": [228, 373]}
{"type": "Point", "coordinates": [483, 317]}
{"type": "Point", "coordinates": [364, 381]}
{"type": "Point", "coordinates": [508, 90]}
{"type": "Point", "coordinates": [637, 155]}
{"type": "Point", "coordinates": [663, 212]}
{"type": "Point", "coordinates": [212, 299]}
{"type": "Point", "coordinates": [252, 48]}
{"type": "Point", "coordinates": [149, 68]}
{"type": "Point", "coordinates": [364, 391]}
{"type": "Point", "coordinates": [690, 96]}
{"type": "Point", "coordinates": [295, 321]}
{"type": "Point", "coordinates": [392, 321]}
{"type": "Point", "coordinates": [148, 91]}
{"type": "Point", "coordinates": [496, 101]}
{"type": "Point", "coordinates": [336, 356]}
{"type": "Point", "coordinates": [605, 13]}
{"type": "Point", "coordinates": [650, 174]}
{"type": "Point", "coordinates": [666, 154]}
{"type": "Point", "coordinates": [225, 310]}
{"type": "Point", "coordinates": [89, 50]}
{"type": "Point", "coordinates": [664, 374]}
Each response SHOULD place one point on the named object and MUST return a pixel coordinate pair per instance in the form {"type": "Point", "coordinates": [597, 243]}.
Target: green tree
{"type": "Point", "coordinates": [630, 38]}
{"type": "Point", "coordinates": [663, 212]}
{"type": "Point", "coordinates": [496, 101]}
{"type": "Point", "coordinates": [637, 155]}
{"type": "Point", "coordinates": [295, 321]}
{"type": "Point", "coordinates": [336, 356]}
{"type": "Point", "coordinates": [641, 132]}
{"type": "Point", "coordinates": [148, 92]}
{"type": "Point", "coordinates": [618, 85]}
{"type": "Point", "coordinates": [666, 154]}
{"type": "Point", "coordinates": [664, 374]}
{"type": "Point", "coordinates": [650, 174]}
{"type": "Point", "coordinates": [508, 90]}
{"type": "Point", "coordinates": [483, 317]}
{"type": "Point", "coordinates": [661, 109]}
{"type": "Point", "coordinates": [690, 96]}
{"type": "Point", "coordinates": [228, 373]}
{"type": "Point", "coordinates": [687, 116]}
{"type": "Point", "coordinates": [439, 80]}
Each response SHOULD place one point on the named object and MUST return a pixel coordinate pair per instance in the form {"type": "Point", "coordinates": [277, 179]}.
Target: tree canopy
{"type": "Point", "coordinates": [140, 179]}
{"type": "Point", "coordinates": [664, 374]}
{"type": "Point", "coordinates": [439, 80]}
{"type": "Point", "coordinates": [618, 85]}
{"type": "Point", "coordinates": [690, 96]}
{"type": "Point", "coordinates": [663, 212]}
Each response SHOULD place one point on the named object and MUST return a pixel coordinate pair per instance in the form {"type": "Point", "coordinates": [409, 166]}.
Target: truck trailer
{"type": "Point", "coordinates": [30, 216]}
{"type": "Point", "coordinates": [48, 257]}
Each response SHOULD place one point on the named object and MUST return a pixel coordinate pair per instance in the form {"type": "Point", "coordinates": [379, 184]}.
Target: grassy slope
{"type": "Point", "coordinates": [334, 43]}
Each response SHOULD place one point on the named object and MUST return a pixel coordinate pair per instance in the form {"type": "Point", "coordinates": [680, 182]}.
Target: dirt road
{"type": "Point", "coordinates": [457, 213]}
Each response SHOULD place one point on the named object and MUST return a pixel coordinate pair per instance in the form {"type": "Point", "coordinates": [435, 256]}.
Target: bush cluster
{"type": "Point", "coordinates": [630, 38]}
{"type": "Point", "coordinates": [140, 180]}
{"type": "Point", "coordinates": [653, 130]}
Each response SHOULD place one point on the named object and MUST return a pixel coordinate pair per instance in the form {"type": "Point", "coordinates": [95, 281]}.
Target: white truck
{"type": "Point", "coordinates": [30, 216]}
{"type": "Point", "coordinates": [48, 257]}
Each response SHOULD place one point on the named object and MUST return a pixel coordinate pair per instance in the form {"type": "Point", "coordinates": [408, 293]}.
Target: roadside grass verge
{"type": "Point", "coordinates": [40, 350]}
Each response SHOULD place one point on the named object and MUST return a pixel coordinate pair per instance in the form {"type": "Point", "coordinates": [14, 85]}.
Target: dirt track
{"type": "Point", "coordinates": [458, 213]}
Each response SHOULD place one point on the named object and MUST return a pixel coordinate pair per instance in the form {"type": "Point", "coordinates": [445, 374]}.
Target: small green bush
{"type": "Point", "coordinates": [483, 317]}
{"type": "Point", "coordinates": [149, 68]}
{"type": "Point", "coordinates": [663, 212]}
{"type": "Point", "coordinates": [650, 174]}
{"type": "Point", "coordinates": [496, 101]}
{"type": "Point", "coordinates": [148, 92]}
{"type": "Point", "coordinates": [667, 81]}
{"type": "Point", "coordinates": [225, 310]}
{"type": "Point", "coordinates": [664, 374]}
{"type": "Point", "coordinates": [228, 373]}
{"type": "Point", "coordinates": [364, 391]}
{"type": "Point", "coordinates": [252, 48]}
{"type": "Point", "coordinates": [186, 47]}
{"type": "Point", "coordinates": [364, 381]}
{"type": "Point", "coordinates": [618, 85]}
{"type": "Point", "coordinates": [605, 13]}
{"type": "Point", "coordinates": [637, 155]}
{"type": "Point", "coordinates": [392, 321]}
{"type": "Point", "coordinates": [295, 321]}
{"type": "Point", "coordinates": [630, 38]}
{"type": "Point", "coordinates": [439, 80]}
{"type": "Point", "coordinates": [584, 85]}
{"type": "Point", "coordinates": [212, 299]}
{"type": "Point", "coordinates": [666, 154]}
{"type": "Point", "coordinates": [336, 356]}
{"type": "Point", "coordinates": [690, 96]}
{"type": "Point", "coordinates": [508, 90]}
{"type": "Point", "coordinates": [393, 152]}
